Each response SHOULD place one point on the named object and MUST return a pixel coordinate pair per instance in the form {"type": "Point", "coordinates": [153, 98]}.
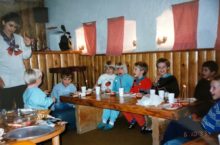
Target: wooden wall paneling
{"type": "Point", "coordinates": [75, 60]}
{"type": "Point", "coordinates": [152, 62]}
{"type": "Point", "coordinates": [145, 57]}
{"type": "Point", "coordinates": [96, 70]}
{"type": "Point", "coordinates": [132, 62]}
{"type": "Point", "coordinates": [128, 61]}
{"type": "Point", "coordinates": [49, 64]}
{"type": "Point", "coordinates": [123, 59]}
{"type": "Point", "coordinates": [63, 60]}
{"type": "Point", "coordinates": [117, 59]}
{"type": "Point", "coordinates": [139, 57]}
{"type": "Point", "coordinates": [70, 59]}
{"type": "Point", "coordinates": [184, 71]}
{"type": "Point", "coordinates": [102, 61]}
{"type": "Point", "coordinates": [177, 67]}
{"type": "Point", "coordinates": [34, 61]}
{"type": "Point", "coordinates": [218, 58]}
{"type": "Point", "coordinates": [56, 60]}
{"type": "Point", "coordinates": [28, 25]}
{"type": "Point", "coordinates": [78, 77]}
{"type": "Point", "coordinates": [56, 63]}
{"type": "Point", "coordinates": [98, 67]}
{"type": "Point", "coordinates": [43, 68]}
{"type": "Point", "coordinates": [201, 59]}
{"type": "Point", "coordinates": [160, 55]}
{"type": "Point", "coordinates": [211, 55]}
{"type": "Point", "coordinates": [193, 69]}
{"type": "Point", "coordinates": [90, 75]}
{"type": "Point", "coordinates": [82, 62]}
{"type": "Point", "coordinates": [169, 55]}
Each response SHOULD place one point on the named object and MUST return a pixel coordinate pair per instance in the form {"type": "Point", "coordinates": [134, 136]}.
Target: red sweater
{"type": "Point", "coordinates": [142, 85]}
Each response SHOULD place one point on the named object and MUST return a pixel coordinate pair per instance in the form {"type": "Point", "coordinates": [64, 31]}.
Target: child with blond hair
{"type": "Point", "coordinates": [33, 96]}
{"type": "Point", "coordinates": [106, 79]}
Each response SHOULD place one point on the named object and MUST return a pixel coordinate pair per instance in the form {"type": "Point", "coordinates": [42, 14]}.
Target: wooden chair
{"type": "Point", "coordinates": [76, 70]}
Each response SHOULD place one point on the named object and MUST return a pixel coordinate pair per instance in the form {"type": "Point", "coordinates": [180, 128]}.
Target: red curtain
{"type": "Point", "coordinates": [185, 25]}
{"type": "Point", "coordinates": [115, 36]}
{"type": "Point", "coordinates": [90, 37]}
{"type": "Point", "coordinates": [217, 43]}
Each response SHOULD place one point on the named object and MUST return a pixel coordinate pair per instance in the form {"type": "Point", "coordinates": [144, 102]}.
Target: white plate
{"type": "Point", "coordinates": [170, 106]}
{"type": "Point", "coordinates": [26, 111]}
{"type": "Point", "coordinates": [129, 95]}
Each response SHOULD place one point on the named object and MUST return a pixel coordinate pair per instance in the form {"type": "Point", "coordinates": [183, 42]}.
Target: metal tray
{"type": "Point", "coordinates": [29, 132]}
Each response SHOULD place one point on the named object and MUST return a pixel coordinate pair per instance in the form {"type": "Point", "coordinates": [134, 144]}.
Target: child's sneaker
{"type": "Point", "coordinates": [101, 125]}
{"type": "Point", "coordinates": [132, 124]}
{"type": "Point", "coordinates": [145, 130]}
{"type": "Point", "coordinates": [108, 127]}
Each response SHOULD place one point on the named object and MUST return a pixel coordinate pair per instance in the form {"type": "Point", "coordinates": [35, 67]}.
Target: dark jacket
{"type": "Point", "coordinates": [202, 90]}
{"type": "Point", "coordinates": [168, 84]}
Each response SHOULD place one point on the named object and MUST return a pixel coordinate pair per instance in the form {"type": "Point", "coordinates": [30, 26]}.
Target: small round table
{"type": "Point", "coordinates": [55, 136]}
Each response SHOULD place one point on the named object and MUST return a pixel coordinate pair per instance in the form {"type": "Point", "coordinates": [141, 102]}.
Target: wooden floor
{"type": "Point", "coordinates": [120, 135]}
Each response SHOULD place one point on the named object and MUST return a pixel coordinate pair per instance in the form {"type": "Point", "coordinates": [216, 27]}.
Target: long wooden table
{"type": "Point", "coordinates": [159, 115]}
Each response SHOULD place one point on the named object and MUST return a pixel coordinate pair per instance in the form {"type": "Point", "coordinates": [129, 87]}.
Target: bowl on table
{"type": "Point", "coordinates": [14, 119]}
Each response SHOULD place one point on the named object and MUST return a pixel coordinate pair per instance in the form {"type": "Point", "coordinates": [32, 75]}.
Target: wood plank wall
{"type": "Point", "coordinates": [185, 65]}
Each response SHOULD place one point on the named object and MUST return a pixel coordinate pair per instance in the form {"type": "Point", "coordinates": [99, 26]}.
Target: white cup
{"type": "Point", "coordinates": [83, 89]}
{"type": "Point", "coordinates": [171, 98]}
{"type": "Point", "coordinates": [82, 94]}
{"type": "Point", "coordinates": [97, 90]}
{"type": "Point", "coordinates": [121, 99]}
{"type": "Point", "coordinates": [98, 97]}
{"type": "Point", "coordinates": [1, 132]}
{"type": "Point", "coordinates": [161, 94]}
{"type": "Point", "coordinates": [152, 92]}
{"type": "Point", "coordinates": [121, 92]}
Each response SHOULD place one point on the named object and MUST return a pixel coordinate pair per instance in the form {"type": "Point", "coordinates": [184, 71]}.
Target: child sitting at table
{"type": "Point", "coordinates": [33, 96]}
{"type": "Point", "coordinates": [65, 87]}
{"type": "Point", "coordinates": [209, 70]}
{"type": "Point", "coordinates": [106, 79]}
{"type": "Point", "coordinates": [164, 80]}
{"type": "Point", "coordinates": [141, 84]}
{"type": "Point", "coordinates": [64, 111]}
{"type": "Point", "coordinates": [122, 80]}
{"type": "Point", "coordinates": [189, 127]}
